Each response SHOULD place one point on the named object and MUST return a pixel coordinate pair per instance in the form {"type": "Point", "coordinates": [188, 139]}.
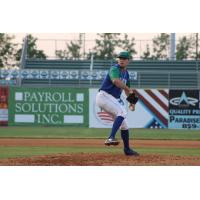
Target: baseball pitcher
{"type": "Point", "coordinates": [108, 99]}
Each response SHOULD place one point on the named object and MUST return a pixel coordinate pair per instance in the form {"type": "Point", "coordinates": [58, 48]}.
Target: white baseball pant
{"type": "Point", "coordinates": [113, 106]}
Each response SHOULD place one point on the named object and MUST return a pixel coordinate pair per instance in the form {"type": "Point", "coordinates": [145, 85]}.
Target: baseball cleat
{"type": "Point", "coordinates": [130, 152]}
{"type": "Point", "coordinates": [111, 141]}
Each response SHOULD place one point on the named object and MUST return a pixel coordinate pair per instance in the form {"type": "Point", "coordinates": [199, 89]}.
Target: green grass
{"type": "Point", "coordinates": [14, 152]}
{"type": "Point", "coordinates": [82, 132]}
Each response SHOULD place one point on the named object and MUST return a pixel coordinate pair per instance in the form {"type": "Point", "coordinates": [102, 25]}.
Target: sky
{"type": "Point", "coordinates": [69, 36]}
{"type": "Point", "coordinates": [89, 36]}
{"type": "Point", "coordinates": [49, 42]}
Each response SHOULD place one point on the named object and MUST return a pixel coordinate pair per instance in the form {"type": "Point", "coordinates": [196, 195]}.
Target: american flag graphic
{"type": "Point", "coordinates": [151, 110]}
{"type": "Point", "coordinates": [156, 101]}
{"type": "Point", "coordinates": [105, 117]}
{"type": "Point", "coordinates": [154, 124]}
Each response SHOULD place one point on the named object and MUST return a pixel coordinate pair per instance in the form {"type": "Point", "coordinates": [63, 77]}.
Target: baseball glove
{"type": "Point", "coordinates": [132, 98]}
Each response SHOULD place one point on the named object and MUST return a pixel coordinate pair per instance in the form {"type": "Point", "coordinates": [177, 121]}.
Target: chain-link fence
{"type": "Point", "coordinates": [51, 46]}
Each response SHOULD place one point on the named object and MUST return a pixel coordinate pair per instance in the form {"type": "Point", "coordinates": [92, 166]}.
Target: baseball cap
{"type": "Point", "coordinates": [124, 54]}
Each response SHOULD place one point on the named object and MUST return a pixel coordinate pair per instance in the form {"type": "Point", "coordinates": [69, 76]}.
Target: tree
{"type": "Point", "coordinates": [32, 51]}
{"type": "Point", "coordinates": [195, 54]}
{"type": "Point", "coordinates": [146, 54]}
{"type": "Point", "coordinates": [108, 44]}
{"type": "Point", "coordinates": [128, 45]}
{"type": "Point", "coordinates": [184, 48]}
{"type": "Point", "coordinates": [105, 45]}
{"type": "Point", "coordinates": [161, 46]}
{"type": "Point", "coordinates": [7, 50]}
{"type": "Point", "coordinates": [72, 51]}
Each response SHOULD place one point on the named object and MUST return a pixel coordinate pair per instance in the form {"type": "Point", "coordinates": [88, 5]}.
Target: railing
{"type": "Point", "coordinates": [166, 79]}
{"type": "Point", "coordinates": [24, 53]}
{"type": "Point", "coordinates": [93, 78]}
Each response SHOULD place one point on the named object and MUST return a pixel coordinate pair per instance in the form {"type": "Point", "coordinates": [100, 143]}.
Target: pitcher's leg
{"type": "Point", "coordinates": [120, 115]}
{"type": "Point", "coordinates": [111, 105]}
{"type": "Point", "coordinates": [125, 137]}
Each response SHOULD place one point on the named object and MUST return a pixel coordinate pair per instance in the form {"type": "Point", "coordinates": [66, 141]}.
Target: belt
{"type": "Point", "coordinates": [108, 93]}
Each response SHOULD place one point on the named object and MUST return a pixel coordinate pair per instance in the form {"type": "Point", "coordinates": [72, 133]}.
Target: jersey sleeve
{"type": "Point", "coordinates": [114, 73]}
{"type": "Point", "coordinates": [128, 83]}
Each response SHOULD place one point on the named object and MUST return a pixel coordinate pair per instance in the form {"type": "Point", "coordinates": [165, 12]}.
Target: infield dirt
{"type": "Point", "coordinates": [100, 159]}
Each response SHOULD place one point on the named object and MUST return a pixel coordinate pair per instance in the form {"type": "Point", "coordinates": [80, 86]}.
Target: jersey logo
{"type": "Point", "coordinates": [123, 77]}
{"type": "Point", "coordinates": [123, 80]}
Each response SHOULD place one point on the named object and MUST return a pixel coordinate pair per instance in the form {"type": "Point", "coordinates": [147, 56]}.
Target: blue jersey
{"type": "Point", "coordinates": [107, 84]}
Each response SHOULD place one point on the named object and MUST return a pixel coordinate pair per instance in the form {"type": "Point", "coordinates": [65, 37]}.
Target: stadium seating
{"type": "Point", "coordinates": [78, 73]}
{"type": "Point", "coordinates": [190, 66]}
{"type": "Point", "coordinates": [57, 64]}
{"type": "Point", "coordinates": [139, 65]}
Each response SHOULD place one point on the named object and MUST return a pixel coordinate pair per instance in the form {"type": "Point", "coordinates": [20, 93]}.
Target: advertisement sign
{"type": "Point", "coordinates": [184, 109]}
{"type": "Point", "coordinates": [151, 111]}
{"type": "Point", "coordinates": [3, 106]}
{"type": "Point", "coordinates": [48, 106]}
